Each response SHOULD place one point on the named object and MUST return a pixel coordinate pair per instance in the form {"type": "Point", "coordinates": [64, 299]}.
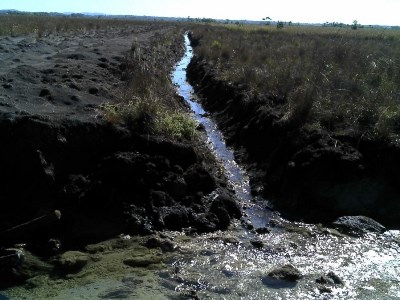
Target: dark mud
{"type": "Point", "coordinates": [309, 173]}
{"type": "Point", "coordinates": [58, 153]}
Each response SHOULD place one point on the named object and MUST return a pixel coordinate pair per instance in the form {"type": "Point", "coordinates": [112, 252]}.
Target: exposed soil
{"type": "Point", "coordinates": [58, 153]}
{"type": "Point", "coordinates": [309, 173]}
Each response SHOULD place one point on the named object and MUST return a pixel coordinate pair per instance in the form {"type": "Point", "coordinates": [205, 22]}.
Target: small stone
{"type": "Point", "coordinates": [335, 278]}
{"type": "Point", "coordinates": [322, 280]}
{"type": "Point", "coordinates": [324, 289]}
{"type": "Point", "coordinates": [164, 244]}
{"type": "Point", "coordinates": [93, 90]}
{"type": "Point", "coordinates": [230, 240]}
{"type": "Point", "coordinates": [96, 248]}
{"type": "Point", "coordinates": [286, 272]}
{"type": "Point", "coordinates": [44, 93]}
{"type": "Point", "coordinates": [11, 257]}
{"type": "Point", "coordinates": [263, 230]}
{"type": "Point", "coordinates": [7, 86]}
{"type": "Point", "coordinates": [72, 260]}
{"type": "Point", "coordinates": [330, 279]}
{"type": "Point", "coordinates": [142, 261]}
{"type": "Point", "coordinates": [228, 271]}
{"type": "Point", "coordinates": [257, 244]}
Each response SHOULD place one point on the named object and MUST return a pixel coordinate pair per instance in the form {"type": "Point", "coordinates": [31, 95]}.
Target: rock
{"type": "Point", "coordinates": [357, 225]}
{"type": "Point", "coordinates": [228, 271]}
{"type": "Point", "coordinates": [205, 222]}
{"type": "Point", "coordinates": [199, 179]}
{"type": "Point", "coordinates": [7, 85]}
{"type": "Point", "coordinates": [330, 279]}
{"type": "Point", "coordinates": [222, 214]}
{"type": "Point", "coordinates": [286, 272]}
{"type": "Point", "coordinates": [53, 246]}
{"type": "Point", "coordinates": [257, 244]}
{"type": "Point", "coordinates": [225, 208]}
{"type": "Point", "coordinates": [324, 289]}
{"type": "Point", "coordinates": [44, 93]}
{"type": "Point", "coordinates": [72, 261]}
{"type": "Point", "coordinates": [175, 218]}
{"type": "Point", "coordinates": [93, 90]}
{"type": "Point", "coordinates": [230, 240]}
{"type": "Point", "coordinates": [96, 248]}
{"type": "Point", "coordinates": [263, 230]}
{"type": "Point", "coordinates": [335, 278]}
{"type": "Point", "coordinates": [11, 257]}
{"type": "Point", "coordinates": [142, 260]}
{"type": "Point", "coordinates": [178, 187]}
{"type": "Point", "coordinates": [164, 244]}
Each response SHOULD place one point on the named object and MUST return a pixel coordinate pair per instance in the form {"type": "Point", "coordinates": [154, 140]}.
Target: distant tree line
{"type": "Point", "coordinates": [201, 20]}
{"type": "Point", "coordinates": [355, 25]}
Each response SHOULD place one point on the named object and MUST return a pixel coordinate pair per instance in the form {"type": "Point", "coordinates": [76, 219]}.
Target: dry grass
{"type": "Point", "coordinates": [18, 25]}
{"type": "Point", "coordinates": [147, 101]}
{"type": "Point", "coordinates": [352, 75]}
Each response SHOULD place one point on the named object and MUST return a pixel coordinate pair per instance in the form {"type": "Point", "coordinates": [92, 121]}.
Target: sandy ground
{"type": "Point", "coordinates": [66, 75]}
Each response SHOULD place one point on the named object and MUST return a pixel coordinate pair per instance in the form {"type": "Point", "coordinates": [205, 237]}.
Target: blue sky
{"type": "Point", "coordinates": [383, 12]}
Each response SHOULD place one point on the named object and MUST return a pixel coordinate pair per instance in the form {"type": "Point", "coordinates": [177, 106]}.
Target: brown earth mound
{"type": "Point", "coordinates": [309, 173]}
{"type": "Point", "coordinates": [59, 153]}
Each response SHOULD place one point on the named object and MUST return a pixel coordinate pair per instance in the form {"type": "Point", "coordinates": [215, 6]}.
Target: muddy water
{"type": "Point", "coordinates": [227, 265]}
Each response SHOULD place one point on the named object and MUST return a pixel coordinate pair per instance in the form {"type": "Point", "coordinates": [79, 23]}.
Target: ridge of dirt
{"type": "Point", "coordinates": [309, 174]}
{"type": "Point", "coordinates": [59, 153]}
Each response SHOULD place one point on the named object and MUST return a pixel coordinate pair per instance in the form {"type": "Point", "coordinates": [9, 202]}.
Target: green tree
{"type": "Point", "coordinates": [268, 19]}
{"type": "Point", "coordinates": [355, 25]}
{"type": "Point", "coordinates": [280, 25]}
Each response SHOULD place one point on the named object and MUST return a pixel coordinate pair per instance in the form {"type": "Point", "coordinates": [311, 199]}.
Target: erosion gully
{"type": "Point", "coordinates": [229, 265]}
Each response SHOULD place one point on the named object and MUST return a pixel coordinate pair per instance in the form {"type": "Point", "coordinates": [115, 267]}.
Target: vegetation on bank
{"type": "Point", "coordinates": [147, 102]}
{"type": "Point", "coordinates": [340, 80]}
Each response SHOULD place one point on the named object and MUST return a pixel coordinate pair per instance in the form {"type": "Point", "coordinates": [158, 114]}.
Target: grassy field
{"type": "Point", "coordinates": [337, 79]}
{"type": "Point", "coordinates": [18, 25]}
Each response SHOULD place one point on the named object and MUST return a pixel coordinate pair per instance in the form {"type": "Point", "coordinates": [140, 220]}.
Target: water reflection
{"type": "Point", "coordinates": [369, 266]}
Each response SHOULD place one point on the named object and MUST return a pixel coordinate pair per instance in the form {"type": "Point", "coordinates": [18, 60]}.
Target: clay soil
{"type": "Point", "coordinates": [310, 174]}
{"type": "Point", "coordinates": [59, 152]}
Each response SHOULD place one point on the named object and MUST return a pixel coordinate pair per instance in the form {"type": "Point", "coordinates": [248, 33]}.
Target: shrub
{"type": "Point", "coordinates": [177, 125]}
{"type": "Point", "coordinates": [150, 116]}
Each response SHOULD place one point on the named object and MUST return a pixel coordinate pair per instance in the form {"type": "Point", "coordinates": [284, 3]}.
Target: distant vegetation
{"type": "Point", "coordinates": [42, 25]}
{"type": "Point", "coordinates": [337, 79]}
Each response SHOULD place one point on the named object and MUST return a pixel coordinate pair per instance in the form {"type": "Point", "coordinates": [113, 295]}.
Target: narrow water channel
{"type": "Point", "coordinates": [221, 269]}
{"type": "Point", "coordinates": [258, 215]}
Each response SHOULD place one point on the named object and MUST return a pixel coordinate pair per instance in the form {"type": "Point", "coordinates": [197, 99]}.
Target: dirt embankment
{"type": "Point", "coordinates": [58, 152]}
{"type": "Point", "coordinates": [309, 173]}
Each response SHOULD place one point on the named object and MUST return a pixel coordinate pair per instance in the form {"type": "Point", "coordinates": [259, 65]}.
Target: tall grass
{"type": "Point", "coordinates": [352, 75]}
{"type": "Point", "coordinates": [147, 102]}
